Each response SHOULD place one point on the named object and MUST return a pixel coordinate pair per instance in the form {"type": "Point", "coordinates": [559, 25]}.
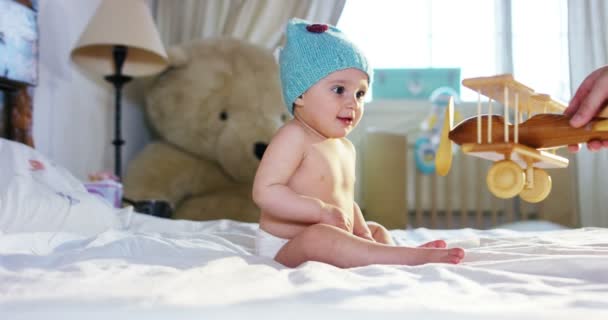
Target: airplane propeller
{"type": "Point", "coordinates": [443, 158]}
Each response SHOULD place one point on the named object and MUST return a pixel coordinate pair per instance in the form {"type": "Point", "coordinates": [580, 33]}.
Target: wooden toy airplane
{"type": "Point", "coordinates": [522, 149]}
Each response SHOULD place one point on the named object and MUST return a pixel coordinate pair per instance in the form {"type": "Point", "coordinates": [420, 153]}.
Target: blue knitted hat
{"type": "Point", "coordinates": [312, 52]}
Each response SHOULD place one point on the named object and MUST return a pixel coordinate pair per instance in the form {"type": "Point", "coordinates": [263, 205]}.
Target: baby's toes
{"type": "Point", "coordinates": [434, 244]}
{"type": "Point", "coordinates": [455, 255]}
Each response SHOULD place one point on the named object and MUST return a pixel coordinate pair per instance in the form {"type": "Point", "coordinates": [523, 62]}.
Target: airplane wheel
{"type": "Point", "coordinates": [541, 188]}
{"type": "Point", "coordinates": [505, 179]}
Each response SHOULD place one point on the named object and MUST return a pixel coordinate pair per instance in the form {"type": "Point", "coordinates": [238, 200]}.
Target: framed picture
{"type": "Point", "coordinates": [3, 116]}
{"type": "Point", "coordinates": [18, 41]}
{"type": "Point", "coordinates": [18, 68]}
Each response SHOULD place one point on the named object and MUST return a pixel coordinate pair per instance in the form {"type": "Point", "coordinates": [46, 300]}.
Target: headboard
{"type": "Point", "coordinates": [18, 68]}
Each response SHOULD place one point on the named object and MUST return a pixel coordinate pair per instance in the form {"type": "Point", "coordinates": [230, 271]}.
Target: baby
{"type": "Point", "coordinates": [305, 183]}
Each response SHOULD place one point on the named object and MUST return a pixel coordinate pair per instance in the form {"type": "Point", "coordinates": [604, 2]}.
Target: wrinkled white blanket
{"type": "Point", "coordinates": [65, 255]}
{"type": "Point", "coordinates": [178, 268]}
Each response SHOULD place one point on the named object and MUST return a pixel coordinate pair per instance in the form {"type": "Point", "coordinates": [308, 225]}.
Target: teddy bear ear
{"type": "Point", "coordinates": [178, 56]}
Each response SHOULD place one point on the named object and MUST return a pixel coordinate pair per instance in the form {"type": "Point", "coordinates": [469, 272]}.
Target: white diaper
{"type": "Point", "coordinates": [267, 245]}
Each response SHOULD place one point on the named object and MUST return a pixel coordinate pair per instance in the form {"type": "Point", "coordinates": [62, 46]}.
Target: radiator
{"type": "Point", "coordinates": [398, 195]}
{"type": "Point", "coordinates": [391, 191]}
{"type": "Point", "coordinates": [461, 199]}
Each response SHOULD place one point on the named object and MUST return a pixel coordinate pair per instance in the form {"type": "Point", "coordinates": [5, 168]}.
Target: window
{"type": "Point", "coordinates": [540, 46]}
{"type": "Point", "coordinates": [480, 37]}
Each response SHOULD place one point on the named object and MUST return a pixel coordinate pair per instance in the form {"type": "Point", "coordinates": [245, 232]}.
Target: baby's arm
{"type": "Point", "coordinates": [271, 193]}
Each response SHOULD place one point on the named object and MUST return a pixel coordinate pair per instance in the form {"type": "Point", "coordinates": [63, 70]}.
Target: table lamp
{"type": "Point", "coordinates": [120, 42]}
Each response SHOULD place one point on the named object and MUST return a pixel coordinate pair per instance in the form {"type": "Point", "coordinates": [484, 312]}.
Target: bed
{"type": "Point", "coordinates": [67, 254]}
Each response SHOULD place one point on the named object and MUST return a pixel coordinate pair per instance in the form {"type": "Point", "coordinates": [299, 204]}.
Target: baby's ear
{"type": "Point", "coordinates": [178, 56]}
{"type": "Point", "coordinates": [298, 101]}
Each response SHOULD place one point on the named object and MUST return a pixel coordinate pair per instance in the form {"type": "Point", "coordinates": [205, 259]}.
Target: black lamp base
{"type": "Point", "coordinates": [118, 80]}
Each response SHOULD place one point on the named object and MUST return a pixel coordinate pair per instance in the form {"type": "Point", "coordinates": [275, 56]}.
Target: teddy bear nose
{"type": "Point", "coordinates": [259, 148]}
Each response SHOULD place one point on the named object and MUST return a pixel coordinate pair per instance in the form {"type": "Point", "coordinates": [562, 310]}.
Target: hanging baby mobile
{"type": "Point", "coordinates": [426, 145]}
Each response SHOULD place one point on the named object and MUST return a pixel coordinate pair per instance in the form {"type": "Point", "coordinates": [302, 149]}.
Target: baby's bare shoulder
{"type": "Point", "coordinates": [290, 133]}
{"type": "Point", "coordinates": [348, 144]}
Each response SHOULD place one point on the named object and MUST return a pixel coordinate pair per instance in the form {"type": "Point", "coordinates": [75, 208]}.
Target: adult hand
{"type": "Point", "coordinates": [589, 98]}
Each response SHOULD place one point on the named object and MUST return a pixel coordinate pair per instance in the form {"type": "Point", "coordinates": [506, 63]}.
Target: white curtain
{"type": "Point", "coordinates": [588, 48]}
{"type": "Point", "coordinates": [259, 21]}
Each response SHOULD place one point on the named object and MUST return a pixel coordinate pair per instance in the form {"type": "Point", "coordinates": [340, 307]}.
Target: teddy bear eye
{"type": "Point", "coordinates": [223, 115]}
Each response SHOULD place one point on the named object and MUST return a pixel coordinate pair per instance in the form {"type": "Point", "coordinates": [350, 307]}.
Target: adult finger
{"type": "Point", "coordinates": [591, 104]}
{"type": "Point", "coordinates": [594, 145]}
{"type": "Point", "coordinates": [574, 148]}
{"type": "Point", "coordinates": [583, 91]}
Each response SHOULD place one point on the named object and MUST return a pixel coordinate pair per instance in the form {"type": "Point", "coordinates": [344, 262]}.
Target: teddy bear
{"type": "Point", "coordinates": [214, 111]}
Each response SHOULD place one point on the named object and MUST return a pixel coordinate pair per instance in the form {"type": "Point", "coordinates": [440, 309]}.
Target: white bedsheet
{"type": "Point", "coordinates": [66, 255]}
{"type": "Point", "coordinates": [164, 269]}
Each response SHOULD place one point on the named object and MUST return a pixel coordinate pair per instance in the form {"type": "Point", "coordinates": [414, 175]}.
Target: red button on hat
{"type": "Point", "coordinates": [317, 28]}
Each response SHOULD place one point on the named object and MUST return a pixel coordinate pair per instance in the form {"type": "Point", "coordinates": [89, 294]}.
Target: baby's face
{"type": "Point", "coordinates": [334, 105]}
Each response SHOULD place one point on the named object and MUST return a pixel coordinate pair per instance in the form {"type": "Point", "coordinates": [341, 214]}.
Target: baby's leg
{"type": "Point", "coordinates": [325, 243]}
{"type": "Point", "coordinates": [434, 244]}
{"type": "Point", "coordinates": [380, 234]}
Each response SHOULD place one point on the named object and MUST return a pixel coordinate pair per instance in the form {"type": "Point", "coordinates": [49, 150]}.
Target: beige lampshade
{"type": "Point", "coordinates": [121, 22]}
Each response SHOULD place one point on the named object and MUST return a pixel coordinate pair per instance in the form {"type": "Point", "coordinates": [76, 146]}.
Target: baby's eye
{"type": "Point", "coordinates": [338, 89]}
{"type": "Point", "coordinates": [360, 94]}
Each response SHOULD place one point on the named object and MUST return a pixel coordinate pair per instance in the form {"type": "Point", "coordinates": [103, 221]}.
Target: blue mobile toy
{"type": "Point", "coordinates": [426, 145]}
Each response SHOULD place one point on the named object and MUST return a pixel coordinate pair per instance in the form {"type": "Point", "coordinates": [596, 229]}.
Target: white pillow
{"type": "Point", "coordinates": [38, 196]}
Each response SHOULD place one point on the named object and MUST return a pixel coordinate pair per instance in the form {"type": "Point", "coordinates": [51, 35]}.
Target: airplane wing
{"type": "Point", "coordinates": [521, 154]}
{"type": "Point", "coordinates": [529, 101]}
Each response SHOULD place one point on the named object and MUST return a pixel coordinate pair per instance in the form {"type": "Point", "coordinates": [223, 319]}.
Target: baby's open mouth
{"type": "Point", "coordinates": [346, 120]}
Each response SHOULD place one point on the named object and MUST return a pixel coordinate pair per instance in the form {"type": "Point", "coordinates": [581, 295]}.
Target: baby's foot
{"type": "Point", "coordinates": [455, 255]}
{"type": "Point", "coordinates": [416, 256]}
{"type": "Point", "coordinates": [434, 244]}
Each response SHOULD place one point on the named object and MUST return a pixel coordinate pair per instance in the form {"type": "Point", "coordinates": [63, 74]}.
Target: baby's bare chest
{"type": "Point", "coordinates": [328, 168]}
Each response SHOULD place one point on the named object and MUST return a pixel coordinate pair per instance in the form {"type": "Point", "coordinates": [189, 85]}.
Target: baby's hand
{"type": "Point", "coordinates": [334, 216]}
{"type": "Point", "coordinates": [365, 234]}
